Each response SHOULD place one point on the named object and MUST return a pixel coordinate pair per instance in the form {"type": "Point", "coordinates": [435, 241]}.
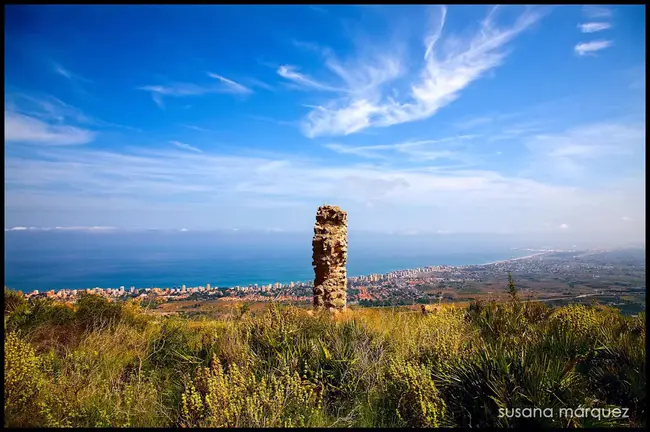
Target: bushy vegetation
{"type": "Point", "coordinates": [109, 364]}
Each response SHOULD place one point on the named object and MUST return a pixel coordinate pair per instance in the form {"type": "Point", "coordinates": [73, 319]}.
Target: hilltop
{"type": "Point", "coordinates": [114, 364]}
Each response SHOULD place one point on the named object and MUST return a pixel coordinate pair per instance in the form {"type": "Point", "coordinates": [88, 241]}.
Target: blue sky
{"type": "Point", "coordinates": [509, 119]}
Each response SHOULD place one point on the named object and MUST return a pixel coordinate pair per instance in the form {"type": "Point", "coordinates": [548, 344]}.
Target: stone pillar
{"type": "Point", "coordinates": [330, 253]}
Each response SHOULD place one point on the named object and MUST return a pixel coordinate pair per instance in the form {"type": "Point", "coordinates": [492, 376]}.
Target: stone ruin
{"type": "Point", "coordinates": [330, 253]}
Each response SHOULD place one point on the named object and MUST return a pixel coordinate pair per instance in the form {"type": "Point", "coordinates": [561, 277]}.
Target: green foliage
{"type": "Point", "coordinates": [512, 288]}
{"type": "Point", "coordinates": [39, 312]}
{"type": "Point", "coordinates": [14, 300]}
{"type": "Point", "coordinates": [109, 364]}
{"type": "Point", "coordinates": [95, 312]}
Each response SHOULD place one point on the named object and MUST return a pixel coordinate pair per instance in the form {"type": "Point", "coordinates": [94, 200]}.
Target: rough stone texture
{"type": "Point", "coordinates": [330, 254]}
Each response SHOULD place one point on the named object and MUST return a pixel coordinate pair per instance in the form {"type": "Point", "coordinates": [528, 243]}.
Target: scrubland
{"type": "Point", "coordinates": [107, 364]}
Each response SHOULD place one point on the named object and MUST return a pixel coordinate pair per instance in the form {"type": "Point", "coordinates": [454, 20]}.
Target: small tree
{"type": "Point", "coordinates": [243, 309]}
{"type": "Point", "coordinates": [512, 288]}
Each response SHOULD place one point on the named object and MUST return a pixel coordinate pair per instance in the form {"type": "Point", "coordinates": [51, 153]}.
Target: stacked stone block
{"type": "Point", "coordinates": [330, 253]}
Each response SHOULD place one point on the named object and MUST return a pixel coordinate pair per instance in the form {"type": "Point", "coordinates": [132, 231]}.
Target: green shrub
{"type": "Point", "coordinates": [175, 345]}
{"type": "Point", "coordinates": [38, 312]}
{"type": "Point", "coordinates": [96, 312]}
{"type": "Point", "coordinates": [13, 300]}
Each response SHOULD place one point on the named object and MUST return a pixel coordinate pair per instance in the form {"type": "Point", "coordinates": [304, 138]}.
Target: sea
{"type": "Point", "coordinates": [58, 259]}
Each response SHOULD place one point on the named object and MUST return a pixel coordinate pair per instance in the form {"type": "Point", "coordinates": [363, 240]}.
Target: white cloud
{"type": "Point", "coordinates": [626, 219]}
{"type": "Point", "coordinates": [196, 128]}
{"type": "Point", "coordinates": [51, 110]}
{"type": "Point", "coordinates": [636, 75]}
{"type": "Point", "coordinates": [474, 122]}
{"type": "Point", "coordinates": [63, 228]}
{"type": "Point", "coordinates": [66, 73]}
{"type": "Point", "coordinates": [186, 146]}
{"type": "Point", "coordinates": [89, 187]}
{"type": "Point", "coordinates": [85, 228]}
{"type": "Point", "coordinates": [589, 48]}
{"type": "Point", "coordinates": [231, 85]}
{"type": "Point", "coordinates": [421, 151]}
{"type": "Point", "coordinates": [593, 27]}
{"type": "Point", "coordinates": [288, 72]}
{"type": "Point", "coordinates": [369, 100]}
{"type": "Point", "coordinates": [62, 71]}
{"type": "Point", "coordinates": [564, 226]}
{"type": "Point", "coordinates": [180, 89]}
{"type": "Point", "coordinates": [177, 89]}
{"type": "Point", "coordinates": [595, 12]}
{"type": "Point", "coordinates": [22, 128]}
{"type": "Point", "coordinates": [47, 108]}
{"type": "Point", "coordinates": [587, 149]}
{"type": "Point", "coordinates": [252, 82]}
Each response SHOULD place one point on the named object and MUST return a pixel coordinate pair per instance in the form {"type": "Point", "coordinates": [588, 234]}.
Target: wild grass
{"type": "Point", "coordinates": [101, 364]}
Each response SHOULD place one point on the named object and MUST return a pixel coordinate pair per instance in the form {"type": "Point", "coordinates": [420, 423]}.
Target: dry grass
{"type": "Point", "coordinates": [287, 366]}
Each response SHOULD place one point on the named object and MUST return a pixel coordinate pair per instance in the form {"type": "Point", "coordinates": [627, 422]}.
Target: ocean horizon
{"type": "Point", "coordinates": [52, 261]}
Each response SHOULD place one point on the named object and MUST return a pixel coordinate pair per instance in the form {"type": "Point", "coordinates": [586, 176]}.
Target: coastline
{"type": "Point", "coordinates": [165, 274]}
{"type": "Point", "coordinates": [516, 259]}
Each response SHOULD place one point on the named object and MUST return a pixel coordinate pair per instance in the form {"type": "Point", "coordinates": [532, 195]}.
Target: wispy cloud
{"type": "Point", "coordinates": [47, 108]}
{"type": "Point", "coordinates": [295, 124]}
{"type": "Point", "coordinates": [318, 9]}
{"type": "Point", "coordinates": [590, 48]}
{"type": "Point", "coordinates": [474, 122]}
{"type": "Point", "coordinates": [47, 119]}
{"type": "Point", "coordinates": [230, 85]}
{"type": "Point", "coordinates": [66, 73]}
{"type": "Point", "coordinates": [369, 100]}
{"type": "Point", "coordinates": [193, 183]}
{"type": "Point", "coordinates": [582, 151]}
{"type": "Point", "coordinates": [420, 151]}
{"type": "Point", "coordinates": [593, 27]}
{"type": "Point", "coordinates": [253, 82]}
{"type": "Point", "coordinates": [63, 228]}
{"type": "Point", "coordinates": [637, 76]}
{"type": "Point", "coordinates": [289, 72]}
{"type": "Point", "coordinates": [595, 12]}
{"type": "Point", "coordinates": [22, 128]}
{"type": "Point", "coordinates": [196, 128]}
{"type": "Point", "coordinates": [186, 146]}
{"type": "Point", "coordinates": [181, 89]}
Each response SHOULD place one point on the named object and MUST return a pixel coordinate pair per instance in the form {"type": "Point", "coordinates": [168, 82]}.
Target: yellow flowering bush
{"type": "Point", "coordinates": [22, 379]}
{"type": "Point", "coordinates": [444, 339]}
{"type": "Point", "coordinates": [577, 319]}
{"type": "Point", "coordinates": [236, 398]}
{"type": "Point", "coordinates": [411, 396]}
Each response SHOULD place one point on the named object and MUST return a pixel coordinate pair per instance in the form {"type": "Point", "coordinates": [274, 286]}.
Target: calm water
{"type": "Point", "coordinates": [55, 260]}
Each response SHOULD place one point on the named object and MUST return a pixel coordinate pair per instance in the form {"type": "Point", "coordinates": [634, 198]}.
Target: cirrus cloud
{"type": "Point", "coordinates": [370, 98]}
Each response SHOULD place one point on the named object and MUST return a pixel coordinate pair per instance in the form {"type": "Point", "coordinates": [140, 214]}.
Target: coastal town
{"type": "Point", "coordinates": [543, 275]}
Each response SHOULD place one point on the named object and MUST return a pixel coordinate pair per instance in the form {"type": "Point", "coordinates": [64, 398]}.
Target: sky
{"type": "Point", "coordinates": [521, 120]}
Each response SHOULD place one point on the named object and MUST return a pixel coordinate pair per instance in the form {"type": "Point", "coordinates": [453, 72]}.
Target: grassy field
{"type": "Point", "coordinates": [101, 364]}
